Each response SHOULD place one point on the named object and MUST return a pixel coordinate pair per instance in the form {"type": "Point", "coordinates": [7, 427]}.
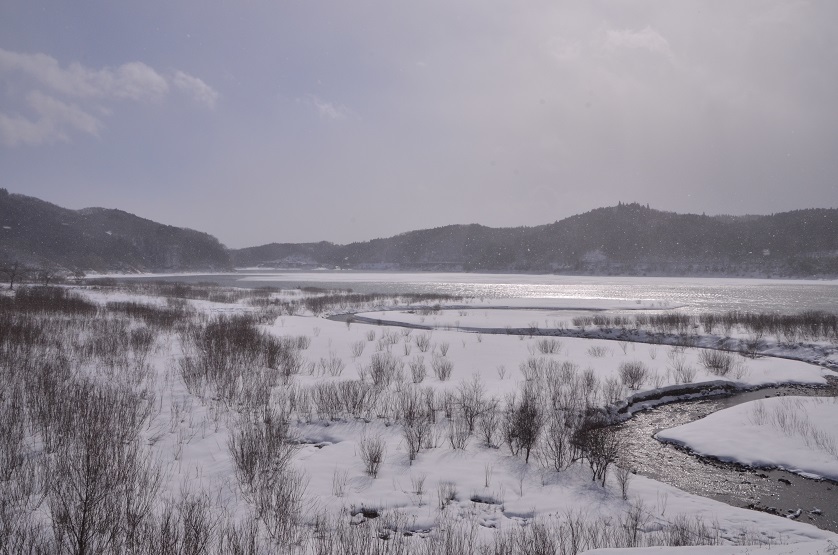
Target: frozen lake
{"type": "Point", "coordinates": [692, 294]}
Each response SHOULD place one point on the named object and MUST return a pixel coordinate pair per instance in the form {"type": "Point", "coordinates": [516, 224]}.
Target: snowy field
{"type": "Point", "coordinates": [424, 437]}
{"type": "Point", "coordinates": [797, 434]}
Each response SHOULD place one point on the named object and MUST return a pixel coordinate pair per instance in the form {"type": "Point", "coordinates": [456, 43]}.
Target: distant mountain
{"type": "Point", "coordinates": [41, 235]}
{"type": "Point", "coordinates": [627, 239]}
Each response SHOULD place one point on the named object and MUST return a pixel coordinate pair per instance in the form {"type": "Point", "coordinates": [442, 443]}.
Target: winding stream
{"type": "Point", "coordinates": [775, 491]}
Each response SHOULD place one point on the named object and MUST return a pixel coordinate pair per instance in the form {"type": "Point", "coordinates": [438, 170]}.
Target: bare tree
{"type": "Point", "coordinates": [13, 271]}
{"type": "Point", "coordinates": [598, 444]}
{"type": "Point", "coordinates": [523, 422]}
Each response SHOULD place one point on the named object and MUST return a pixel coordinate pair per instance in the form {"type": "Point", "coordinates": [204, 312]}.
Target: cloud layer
{"type": "Point", "coordinates": [79, 96]}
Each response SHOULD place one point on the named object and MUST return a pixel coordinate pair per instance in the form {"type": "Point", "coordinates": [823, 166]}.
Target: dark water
{"type": "Point", "coordinates": [694, 294]}
{"type": "Point", "coordinates": [733, 484]}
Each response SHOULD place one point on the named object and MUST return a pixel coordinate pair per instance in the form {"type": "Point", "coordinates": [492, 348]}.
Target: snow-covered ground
{"type": "Point", "coordinates": [478, 483]}
{"type": "Point", "coordinates": [797, 434]}
{"type": "Point", "coordinates": [824, 547]}
{"type": "Point", "coordinates": [540, 314]}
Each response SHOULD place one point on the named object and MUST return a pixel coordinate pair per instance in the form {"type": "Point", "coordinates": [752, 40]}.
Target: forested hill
{"type": "Point", "coordinates": [37, 234]}
{"type": "Point", "coordinates": [628, 239]}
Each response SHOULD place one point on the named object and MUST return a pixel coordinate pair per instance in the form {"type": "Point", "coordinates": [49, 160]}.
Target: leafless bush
{"type": "Point", "coordinates": [372, 452]}
{"type": "Point", "coordinates": [523, 421]}
{"type": "Point", "coordinates": [326, 400]}
{"type": "Point", "coordinates": [612, 390]}
{"type": "Point", "coordinates": [597, 351]}
{"type": "Point", "coordinates": [719, 363]}
{"type": "Point", "coordinates": [557, 450]}
{"type": "Point", "coordinates": [597, 443]}
{"type": "Point", "coordinates": [753, 344]}
{"type": "Point", "coordinates": [370, 335]}
{"type": "Point", "coordinates": [356, 397]}
{"type": "Point", "coordinates": [442, 367]}
{"type": "Point", "coordinates": [102, 482]}
{"type": "Point", "coordinates": [423, 341]}
{"type": "Point", "coordinates": [549, 346]}
{"type": "Point", "coordinates": [260, 446]}
{"type": "Point", "coordinates": [443, 349]}
{"type": "Point", "coordinates": [533, 368]}
{"type": "Point", "coordinates": [339, 481]}
{"type": "Point", "coordinates": [417, 369]}
{"type": "Point", "coordinates": [458, 433]}
{"type": "Point", "coordinates": [358, 348]}
{"type": "Point", "coordinates": [623, 475]}
{"type": "Point", "coordinates": [633, 373]}
{"type": "Point", "coordinates": [281, 506]}
{"type": "Point", "coordinates": [489, 422]}
{"type": "Point", "coordinates": [303, 342]}
{"type": "Point", "coordinates": [333, 365]}
{"type": "Point", "coordinates": [383, 368]}
{"type": "Point", "coordinates": [414, 413]}
{"type": "Point", "coordinates": [470, 398]}
{"type": "Point", "coordinates": [446, 493]}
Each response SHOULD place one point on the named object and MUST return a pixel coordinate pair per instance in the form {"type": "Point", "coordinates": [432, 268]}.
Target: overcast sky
{"type": "Point", "coordinates": [290, 121]}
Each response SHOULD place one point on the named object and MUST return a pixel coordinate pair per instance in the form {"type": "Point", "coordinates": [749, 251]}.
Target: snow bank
{"type": "Point", "coordinates": [797, 434]}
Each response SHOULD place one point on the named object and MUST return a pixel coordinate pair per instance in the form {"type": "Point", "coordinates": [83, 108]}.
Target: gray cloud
{"type": "Point", "coordinates": [196, 88]}
{"type": "Point", "coordinates": [56, 119]}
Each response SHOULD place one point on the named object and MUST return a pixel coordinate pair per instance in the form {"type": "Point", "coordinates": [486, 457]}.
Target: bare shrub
{"type": "Point", "coordinates": [355, 396]}
{"type": "Point", "coordinates": [372, 450]}
{"type": "Point", "coordinates": [443, 349]}
{"type": "Point", "coordinates": [281, 506]}
{"type": "Point", "coordinates": [557, 450]}
{"type": "Point", "coordinates": [633, 373]}
{"type": "Point", "coordinates": [678, 367]}
{"type": "Point", "coordinates": [358, 348]}
{"type": "Point", "coordinates": [458, 433]}
{"type": "Point", "coordinates": [416, 419]}
{"type": "Point", "coordinates": [442, 367]}
{"type": "Point", "coordinates": [533, 368]}
{"type": "Point", "coordinates": [370, 335]}
{"type": "Point", "coordinates": [623, 475]}
{"type": "Point", "coordinates": [332, 366]}
{"type": "Point", "coordinates": [383, 368]}
{"type": "Point", "coordinates": [548, 346]}
{"type": "Point", "coordinates": [612, 390]}
{"type": "Point", "coordinates": [523, 422]}
{"type": "Point", "coordinates": [470, 398]}
{"type": "Point", "coordinates": [260, 446]}
{"type": "Point", "coordinates": [598, 444]}
{"type": "Point", "coordinates": [446, 493]}
{"type": "Point", "coordinates": [598, 351]}
{"type": "Point", "coordinates": [423, 341]}
{"type": "Point", "coordinates": [303, 342]}
{"type": "Point", "coordinates": [417, 369]}
{"type": "Point", "coordinates": [719, 363]}
{"type": "Point", "coordinates": [489, 421]}
{"type": "Point", "coordinates": [101, 480]}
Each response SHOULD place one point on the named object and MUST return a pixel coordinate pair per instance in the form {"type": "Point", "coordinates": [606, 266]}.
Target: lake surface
{"type": "Point", "coordinates": [692, 294]}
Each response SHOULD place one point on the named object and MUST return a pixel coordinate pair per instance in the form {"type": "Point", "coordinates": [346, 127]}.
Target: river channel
{"type": "Point", "coordinates": [771, 490]}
